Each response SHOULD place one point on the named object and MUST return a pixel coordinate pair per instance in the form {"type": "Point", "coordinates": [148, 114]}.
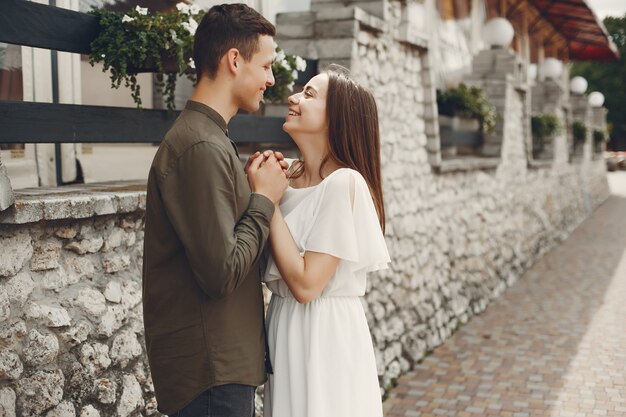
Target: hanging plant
{"type": "Point", "coordinates": [471, 102]}
{"type": "Point", "coordinates": [579, 133]}
{"type": "Point", "coordinates": [543, 127]}
{"type": "Point", "coordinates": [285, 69]}
{"type": "Point", "coordinates": [598, 139]}
{"type": "Point", "coordinates": [138, 41]}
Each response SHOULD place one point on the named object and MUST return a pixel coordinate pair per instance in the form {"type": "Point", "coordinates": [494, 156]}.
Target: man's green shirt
{"type": "Point", "coordinates": [204, 235]}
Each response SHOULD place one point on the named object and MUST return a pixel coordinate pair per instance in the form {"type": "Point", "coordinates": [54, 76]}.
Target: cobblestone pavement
{"type": "Point", "coordinates": [552, 345]}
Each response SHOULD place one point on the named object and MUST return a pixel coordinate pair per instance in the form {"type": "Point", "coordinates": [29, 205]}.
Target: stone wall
{"type": "Point", "coordinates": [71, 332]}
{"type": "Point", "coordinates": [457, 236]}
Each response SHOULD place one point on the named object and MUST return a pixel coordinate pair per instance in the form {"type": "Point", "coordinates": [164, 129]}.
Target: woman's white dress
{"type": "Point", "coordinates": [322, 351]}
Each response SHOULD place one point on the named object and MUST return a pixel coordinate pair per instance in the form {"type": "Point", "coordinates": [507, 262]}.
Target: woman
{"type": "Point", "coordinates": [325, 236]}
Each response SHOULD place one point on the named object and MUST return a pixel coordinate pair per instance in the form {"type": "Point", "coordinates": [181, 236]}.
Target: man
{"type": "Point", "coordinates": [205, 230]}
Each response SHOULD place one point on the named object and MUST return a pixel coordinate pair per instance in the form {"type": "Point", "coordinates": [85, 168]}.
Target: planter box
{"type": "Point", "coordinates": [543, 148]}
{"type": "Point", "coordinates": [461, 133]}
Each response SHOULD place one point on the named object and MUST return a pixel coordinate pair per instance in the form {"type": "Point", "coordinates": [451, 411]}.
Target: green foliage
{"type": "Point", "coordinates": [579, 132]}
{"type": "Point", "coordinates": [598, 136]}
{"type": "Point", "coordinates": [610, 79]}
{"type": "Point", "coordinates": [285, 69]}
{"type": "Point", "coordinates": [469, 102]}
{"type": "Point", "coordinates": [545, 126]}
{"type": "Point", "coordinates": [163, 42]}
{"type": "Point", "coordinates": [135, 39]}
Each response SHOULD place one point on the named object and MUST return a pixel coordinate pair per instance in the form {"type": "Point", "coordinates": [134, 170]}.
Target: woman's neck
{"type": "Point", "coordinates": [312, 158]}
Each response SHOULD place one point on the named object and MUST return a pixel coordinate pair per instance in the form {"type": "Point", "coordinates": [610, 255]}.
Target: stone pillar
{"type": "Point", "coordinates": [548, 97]}
{"type": "Point", "coordinates": [581, 112]}
{"type": "Point", "coordinates": [378, 8]}
{"type": "Point", "coordinates": [494, 70]}
{"type": "Point", "coordinates": [6, 192]}
{"type": "Point", "coordinates": [598, 122]}
{"type": "Point", "coordinates": [328, 34]}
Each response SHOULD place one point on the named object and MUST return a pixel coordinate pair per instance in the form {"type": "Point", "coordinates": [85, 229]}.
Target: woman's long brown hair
{"type": "Point", "coordinates": [353, 132]}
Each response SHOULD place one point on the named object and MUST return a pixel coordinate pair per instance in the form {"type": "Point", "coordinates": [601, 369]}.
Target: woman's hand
{"type": "Point", "coordinates": [266, 154]}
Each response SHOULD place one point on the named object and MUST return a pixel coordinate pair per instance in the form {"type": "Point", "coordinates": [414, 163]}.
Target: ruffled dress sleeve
{"type": "Point", "coordinates": [343, 223]}
{"type": "Point", "coordinates": [346, 224]}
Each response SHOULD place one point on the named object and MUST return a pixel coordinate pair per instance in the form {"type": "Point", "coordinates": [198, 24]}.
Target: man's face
{"type": "Point", "coordinates": [255, 76]}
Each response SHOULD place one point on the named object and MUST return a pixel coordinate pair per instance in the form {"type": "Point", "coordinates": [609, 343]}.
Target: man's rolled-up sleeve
{"type": "Point", "coordinates": [200, 198]}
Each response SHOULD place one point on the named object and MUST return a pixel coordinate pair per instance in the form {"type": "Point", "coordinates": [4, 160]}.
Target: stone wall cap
{"type": "Point", "coordinates": [75, 201]}
{"type": "Point", "coordinates": [467, 164]}
{"type": "Point", "coordinates": [540, 163]}
{"type": "Point", "coordinates": [354, 13]}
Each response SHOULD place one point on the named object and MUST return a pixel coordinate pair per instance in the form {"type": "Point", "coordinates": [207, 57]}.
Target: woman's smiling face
{"type": "Point", "coordinates": [307, 109]}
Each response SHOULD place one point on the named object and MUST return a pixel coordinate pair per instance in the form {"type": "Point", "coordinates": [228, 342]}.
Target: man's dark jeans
{"type": "Point", "coordinates": [232, 400]}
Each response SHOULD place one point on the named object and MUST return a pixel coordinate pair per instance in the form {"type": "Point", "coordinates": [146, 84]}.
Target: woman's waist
{"type": "Point", "coordinates": [282, 290]}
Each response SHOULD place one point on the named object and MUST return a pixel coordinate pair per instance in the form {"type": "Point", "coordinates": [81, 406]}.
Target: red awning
{"type": "Point", "coordinates": [586, 36]}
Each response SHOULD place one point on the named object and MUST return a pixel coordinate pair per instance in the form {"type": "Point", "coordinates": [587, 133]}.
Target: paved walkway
{"type": "Point", "coordinates": [552, 345]}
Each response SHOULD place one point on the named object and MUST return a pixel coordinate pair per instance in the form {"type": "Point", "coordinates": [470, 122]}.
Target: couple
{"type": "Point", "coordinates": [207, 223]}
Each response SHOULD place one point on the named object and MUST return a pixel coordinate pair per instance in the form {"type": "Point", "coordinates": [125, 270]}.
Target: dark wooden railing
{"type": "Point", "coordinates": [30, 24]}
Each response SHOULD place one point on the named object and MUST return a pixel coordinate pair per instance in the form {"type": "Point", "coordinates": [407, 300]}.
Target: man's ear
{"type": "Point", "coordinates": [232, 60]}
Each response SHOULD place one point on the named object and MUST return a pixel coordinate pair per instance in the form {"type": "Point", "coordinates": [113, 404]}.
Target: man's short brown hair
{"type": "Point", "coordinates": [224, 27]}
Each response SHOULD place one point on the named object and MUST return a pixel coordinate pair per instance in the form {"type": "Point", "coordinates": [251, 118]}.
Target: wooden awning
{"type": "Point", "coordinates": [586, 36]}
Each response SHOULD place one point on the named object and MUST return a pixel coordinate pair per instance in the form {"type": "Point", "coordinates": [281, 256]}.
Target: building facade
{"type": "Point", "coordinates": [462, 226]}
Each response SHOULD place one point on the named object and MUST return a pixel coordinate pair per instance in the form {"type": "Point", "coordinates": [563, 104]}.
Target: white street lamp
{"type": "Point", "coordinates": [596, 99]}
{"type": "Point", "coordinates": [578, 85]}
{"type": "Point", "coordinates": [552, 68]}
{"type": "Point", "coordinates": [498, 32]}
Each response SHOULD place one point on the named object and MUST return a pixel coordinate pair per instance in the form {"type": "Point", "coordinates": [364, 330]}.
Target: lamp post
{"type": "Point", "coordinates": [578, 85]}
{"type": "Point", "coordinates": [498, 33]}
{"type": "Point", "coordinates": [596, 99]}
{"type": "Point", "coordinates": [552, 68]}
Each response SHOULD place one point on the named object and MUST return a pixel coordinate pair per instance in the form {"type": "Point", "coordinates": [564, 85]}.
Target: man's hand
{"type": "Point", "coordinates": [267, 176]}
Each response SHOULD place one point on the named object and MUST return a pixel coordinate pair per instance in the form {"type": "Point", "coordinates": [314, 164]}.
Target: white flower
{"type": "Point", "coordinates": [290, 86]}
{"type": "Point", "coordinates": [280, 56]}
{"type": "Point", "coordinates": [183, 7]}
{"type": "Point", "coordinates": [142, 10]}
{"type": "Point", "coordinates": [194, 9]}
{"type": "Point", "coordinates": [294, 74]}
{"type": "Point", "coordinates": [190, 26]}
{"type": "Point", "coordinates": [127, 18]}
{"type": "Point", "coordinates": [191, 63]}
{"type": "Point", "coordinates": [300, 64]}
{"type": "Point", "coordinates": [285, 65]}
{"type": "Point", "coordinates": [103, 55]}
{"type": "Point", "coordinates": [175, 37]}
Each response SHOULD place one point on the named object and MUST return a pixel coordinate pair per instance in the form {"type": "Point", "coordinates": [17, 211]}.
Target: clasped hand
{"type": "Point", "coordinates": [267, 174]}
